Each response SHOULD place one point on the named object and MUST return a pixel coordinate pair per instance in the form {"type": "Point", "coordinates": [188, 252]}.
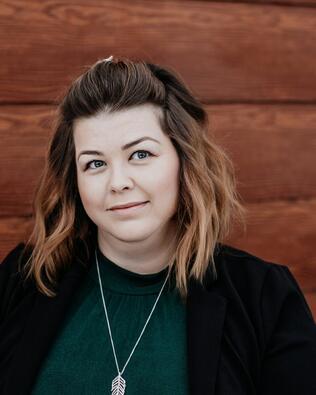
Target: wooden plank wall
{"type": "Point", "coordinates": [253, 64]}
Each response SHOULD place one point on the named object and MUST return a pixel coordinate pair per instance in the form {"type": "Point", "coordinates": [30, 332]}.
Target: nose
{"type": "Point", "coordinates": [120, 179]}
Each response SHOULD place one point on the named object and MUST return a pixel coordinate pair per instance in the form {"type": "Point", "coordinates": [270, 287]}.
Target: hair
{"type": "Point", "coordinates": [208, 201]}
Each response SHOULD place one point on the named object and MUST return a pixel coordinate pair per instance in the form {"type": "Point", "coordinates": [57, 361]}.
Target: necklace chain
{"type": "Point", "coordinates": [108, 323]}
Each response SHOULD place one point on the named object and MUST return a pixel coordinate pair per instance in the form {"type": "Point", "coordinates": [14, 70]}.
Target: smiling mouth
{"type": "Point", "coordinates": [131, 208]}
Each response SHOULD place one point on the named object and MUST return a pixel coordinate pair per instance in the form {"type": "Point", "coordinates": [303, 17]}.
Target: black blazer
{"type": "Point", "coordinates": [249, 332]}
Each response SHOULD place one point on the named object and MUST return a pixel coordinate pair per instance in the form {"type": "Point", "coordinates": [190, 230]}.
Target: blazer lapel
{"type": "Point", "coordinates": [205, 317]}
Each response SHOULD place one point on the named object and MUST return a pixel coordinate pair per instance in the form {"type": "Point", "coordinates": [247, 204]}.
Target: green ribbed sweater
{"type": "Point", "coordinates": [81, 360]}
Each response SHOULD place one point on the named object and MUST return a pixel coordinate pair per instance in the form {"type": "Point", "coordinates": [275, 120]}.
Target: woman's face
{"type": "Point", "coordinates": [119, 170]}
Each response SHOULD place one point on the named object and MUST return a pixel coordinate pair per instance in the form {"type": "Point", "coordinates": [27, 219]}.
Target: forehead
{"type": "Point", "coordinates": [119, 126]}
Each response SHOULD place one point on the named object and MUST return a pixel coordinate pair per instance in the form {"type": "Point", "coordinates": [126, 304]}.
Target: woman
{"type": "Point", "coordinates": [125, 285]}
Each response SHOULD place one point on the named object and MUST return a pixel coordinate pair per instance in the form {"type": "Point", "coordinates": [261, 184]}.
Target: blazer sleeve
{"type": "Point", "coordinates": [8, 281]}
{"type": "Point", "coordinates": [289, 361]}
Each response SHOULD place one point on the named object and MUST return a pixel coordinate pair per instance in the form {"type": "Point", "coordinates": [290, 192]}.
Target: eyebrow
{"type": "Point", "coordinates": [123, 148]}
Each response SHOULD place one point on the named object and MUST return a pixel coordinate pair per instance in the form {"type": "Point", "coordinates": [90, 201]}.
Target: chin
{"type": "Point", "coordinates": [130, 238]}
{"type": "Point", "coordinates": [133, 233]}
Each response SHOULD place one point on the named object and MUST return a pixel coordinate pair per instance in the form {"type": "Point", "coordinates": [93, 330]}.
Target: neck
{"type": "Point", "coordinates": [144, 257]}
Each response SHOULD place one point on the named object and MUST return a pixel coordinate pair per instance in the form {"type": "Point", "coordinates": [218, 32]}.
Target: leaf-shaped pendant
{"type": "Point", "coordinates": [118, 385]}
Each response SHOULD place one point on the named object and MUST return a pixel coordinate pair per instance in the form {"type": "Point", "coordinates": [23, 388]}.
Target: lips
{"type": "Point", "coordinates": [127, 205]}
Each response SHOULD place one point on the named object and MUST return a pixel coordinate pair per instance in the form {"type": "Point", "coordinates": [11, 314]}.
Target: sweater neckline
{"type": "Point", "coordinates": [119, 280]}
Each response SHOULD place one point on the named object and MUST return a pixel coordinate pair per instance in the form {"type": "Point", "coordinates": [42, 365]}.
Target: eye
{"type": "Point", "coordinates": [93, 161]}
{"type": "Point", "coordinates": [96, 162]}
{"type": "Point", "coordinates": [142, 151]}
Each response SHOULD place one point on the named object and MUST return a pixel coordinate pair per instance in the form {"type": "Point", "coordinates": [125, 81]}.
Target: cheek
{"type": "Point", "coordinates": [165, 183]}
{"type": "Point", "coordinates": [89, 192]}
{"type": "Point", "coordinates": [169, 175]}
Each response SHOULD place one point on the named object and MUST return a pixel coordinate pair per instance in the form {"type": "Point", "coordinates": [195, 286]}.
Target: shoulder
{"type": "Point", "coordinates": [245, 269]}
{"type": "Point", "coordinates": [13, 261]}
{"type": "Point", "coordinates": [241, 266]}
{"type": "Point", "coordinates": [257, 284]}
{"type": "Point", "coordinates": [13, 288]}
{"type": "Point", "coordinates": [12, 255]}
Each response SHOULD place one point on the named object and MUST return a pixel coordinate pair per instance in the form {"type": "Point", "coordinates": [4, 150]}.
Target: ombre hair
{"type": "Point", "coordinates": [208, 201]}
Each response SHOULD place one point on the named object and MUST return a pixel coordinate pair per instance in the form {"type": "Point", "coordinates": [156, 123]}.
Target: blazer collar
{"type": "Point", "coordinates": [206, 311]}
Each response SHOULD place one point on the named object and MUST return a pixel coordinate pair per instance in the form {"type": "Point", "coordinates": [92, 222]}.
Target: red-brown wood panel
{"type": "Point", "coordinates": [24, 133]}
{"type": "Point", "coordinates": [283, 232]}
{"type": "Point", "coordinates": [273, 148]}
{"type": "Point", "coordinates": [229, 52]}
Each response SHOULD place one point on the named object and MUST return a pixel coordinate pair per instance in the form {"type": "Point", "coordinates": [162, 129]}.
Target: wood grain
{"type": "Point", "coordinates": [273, 148]}
{"type": "Point", "coordinates": [226, 52]}
{"type": "Point", "coordinates": [282, 232]}
{"type": "Point", "coordinates": [24, 133]}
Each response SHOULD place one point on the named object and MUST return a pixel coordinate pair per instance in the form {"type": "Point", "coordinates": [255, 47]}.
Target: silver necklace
{"type": "Point", "coordinates": [119, 383]}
